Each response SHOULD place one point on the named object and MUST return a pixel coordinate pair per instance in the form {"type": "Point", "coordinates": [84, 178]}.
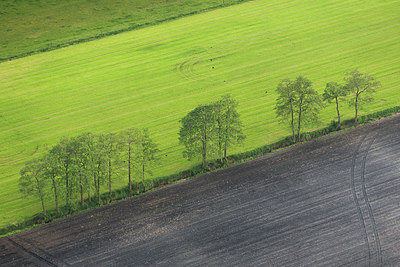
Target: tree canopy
{"type": "Point", "coordinates": [335, 91]}
{"type": "Point", "coordinates": [298, 102]}
{"type": "Point", "coordinates": [362, 87]}
{"type": "Point", "coordinates": [211, 129]}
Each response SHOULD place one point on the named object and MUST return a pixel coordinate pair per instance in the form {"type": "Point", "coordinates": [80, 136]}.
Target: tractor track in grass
{"type": "Point", "coordinates": [332, 201]}
{"type": "Point", "coordinates": [13, 161]}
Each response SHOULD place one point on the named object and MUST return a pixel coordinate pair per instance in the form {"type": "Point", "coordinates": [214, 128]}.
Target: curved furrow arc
{"type": "Point", "coordinates": [371, 215]}
{"type": "Point", "coordinates": [353, 189]}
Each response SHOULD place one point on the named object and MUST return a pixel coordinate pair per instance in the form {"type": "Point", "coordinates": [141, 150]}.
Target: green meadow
{"type": "Point", "coordinates": [153, 76]}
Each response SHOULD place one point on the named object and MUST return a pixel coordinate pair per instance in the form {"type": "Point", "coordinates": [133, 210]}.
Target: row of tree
{"type": "Point", "coordinates": [83, 164]}
{"type": "Point", "coordinates": [299, 103]}
{"type": "Point", "coordinates": [209, 130]}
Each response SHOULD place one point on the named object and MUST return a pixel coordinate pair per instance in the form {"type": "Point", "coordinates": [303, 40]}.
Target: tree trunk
{"type": "Point", "coordinates": [109, 176]}
{"type": "Point", "coordinates": [337, 108]}
{"type": "Point", "coordinates": [81, 188]}
{"type": "Point", "coordinates": [43, 207]}
{"type": "Point", "coordinates": [41, 196]}
{"type": "Point", "coordinates": [204, 163]}
{"type": "Point", "coordinates": [98, 184]}
{"type": "Point", "coordinates": [299, 124]}
{"type": "Point", "coordinates": [98, 190]}
{"type": "Point", "coordinates": [220, 141]}
{"type": "Point", "coordinates": [129, 166]}
{"type": "Point", "coordinates": [292, 113]}
{"type": "Point", "coordinates": [95, 185]}
{"type": "Point", "coordinates": [55, 192]}
{"type": "Point", "coordinates": [89, 196]}
{"type": "Point", "coordinates": [66, 185]}
{"type": "Point", "coordinates": [220, 150]}
{"type": "Point", "coordinates": [143, 179]}
{"type": "Point", "coordinates": [225, 148]}
{"type": "Point", "coordinates": [356, 108]}
{"type": "Point", "coordinates": [204, 151]}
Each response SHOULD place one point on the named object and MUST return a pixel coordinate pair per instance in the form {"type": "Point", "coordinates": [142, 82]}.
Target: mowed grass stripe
{"type": "Point", "coordinates": [154, 76]}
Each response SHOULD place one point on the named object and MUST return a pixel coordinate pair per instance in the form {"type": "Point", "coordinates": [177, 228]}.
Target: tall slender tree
{"type": "Point", "coordinates": [64, 152]}
{"type": "Point", "coordinates": [362, 86]}
{"type": "Point", "coordinates": [334, 92]}
{"type": "Point", "coordinates": [112, 151]}
{"type": "Point", "coordinates": [197, 133]}
{"type": "Point", "coordinates": [298, 101]}
{"type": "Point", "coordinates": [308, 102]}
{"type": "Point", "coordinates": [88, 143]}
{"type": "Point", "coordinates": [52, 171]}
{"type": "Point", "coordinates": [285, 103]}
{"type": "Point", "coordinates": [146, 154]}
{"type": "Point", "coordinates": [83, 161]}
{"type": "Point", "coordinates": [129, 140]}
{"type": "Point", "coordinates": [228, 125]}
{"type": "Point", "coordinates": [100, 160]}
{"type": "Point", "coordinates": [33, 182]}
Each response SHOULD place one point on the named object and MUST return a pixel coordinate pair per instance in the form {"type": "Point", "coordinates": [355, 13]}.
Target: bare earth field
{"type": "Point", "coordinates": [334, 201]}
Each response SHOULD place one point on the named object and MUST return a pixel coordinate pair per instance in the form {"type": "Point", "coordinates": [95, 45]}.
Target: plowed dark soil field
{"type": "Point", "coordinates": [333, 201]}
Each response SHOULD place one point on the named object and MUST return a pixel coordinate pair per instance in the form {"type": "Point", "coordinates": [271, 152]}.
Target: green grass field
{"type": "Point", "coordinates": [29, 26]}
{"type": "Point", "coordinates": [153, 76]}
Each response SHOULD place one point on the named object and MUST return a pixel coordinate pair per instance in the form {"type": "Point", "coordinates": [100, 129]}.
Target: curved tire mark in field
{"type": "Point", "coordinates": [362, 202]}
{"type": "Point", "coordinates": [12, 155]}
{"type": "Point", "coordinates": [10, 162]}
{"type": "Point", "coordinates": [353, 188]}
{"type": "Point", "coordinates": [186, 68]}
{"type": "Point", "coordinates": [371, 215]}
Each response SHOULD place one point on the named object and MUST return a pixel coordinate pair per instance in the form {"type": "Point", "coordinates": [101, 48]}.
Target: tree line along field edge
{"type": "Point", "coordinates": [142, 187]}
{"type": "Point", "coordinates": [208, 130]}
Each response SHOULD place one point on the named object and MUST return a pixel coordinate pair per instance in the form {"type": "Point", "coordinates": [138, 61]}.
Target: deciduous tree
{"type": "Point", "coordinates": [333, 92]}
{"type": "Point", "coordinates": [308, 103]}
{"type": "Point", "coordinates": [228, 125]}
{"type": "Point", "coordinates": [33, 182]}
{"type": "Point", "coordinates": [83, 160]}
{"type": "Point", "coordinates": [129, 140]}
{"type": "Point", "coordinates": [298, 102]}
{"type": "Point", "coordinates": [285, 103]}
{"type": "Point", "coordinates": [64, 153]}
{"type": "Point", "coordinates": [146, 154]}
{"type": "Point", "coordinates": [100, 163]}
{"type": "Point", "coordinates": [197, 133]}
{"type": "Point", "coordinates": [52, 171]}
{"type": "Point", "coordinates": [362, 86]}
{"type": "Point", "coordinates": [112, 153]}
